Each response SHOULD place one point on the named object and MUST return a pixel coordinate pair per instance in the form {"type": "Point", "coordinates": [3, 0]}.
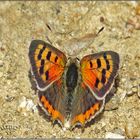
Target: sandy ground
{"type": "Point", "coordinates": [20, 22]}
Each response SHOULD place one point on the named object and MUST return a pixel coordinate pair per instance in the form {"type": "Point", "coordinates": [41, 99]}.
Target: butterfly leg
{"type": "Point", "coordinates": [83, 128]}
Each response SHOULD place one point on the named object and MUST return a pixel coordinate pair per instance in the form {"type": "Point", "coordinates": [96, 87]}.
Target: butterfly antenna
{"type": "Point", "coordinates": [47, 36]}
{"type": "Point", "coordinates": [83, 128]}
{"type": "Point", "coordinates": [100, 30]}
{"type": "Point", "coordinates": [48, 40]}
{"type": "Point", "coordinates": [98, 34]}
{"type": "Point", "coordinates": [53, 123]}
{"type": "Point", "coordinates": [71, 128]}
{"type": "Point", "coordinates": [77, 58]}
{"type": "Point", "coordinates": [48, 27]}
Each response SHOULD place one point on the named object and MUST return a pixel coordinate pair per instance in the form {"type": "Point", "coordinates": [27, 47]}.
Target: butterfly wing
{"type": "Point", "coordinates": [47, 63]}
{"type": "Point", "coordinates": [52, 101]}
{"type": "Point", "coordinates": [85, 106]}
{"type": "Point", "coordinates": [98, 72]}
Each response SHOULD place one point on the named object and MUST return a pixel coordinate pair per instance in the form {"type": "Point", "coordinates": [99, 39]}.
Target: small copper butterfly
{"type": "Point", "coordinates": [72, 91]}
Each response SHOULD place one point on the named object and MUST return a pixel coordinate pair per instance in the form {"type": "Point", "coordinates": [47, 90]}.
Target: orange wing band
{"type": "Point", "coordinates": [55, 114]}
{"type": "Point", "coordinates": [83, 117]}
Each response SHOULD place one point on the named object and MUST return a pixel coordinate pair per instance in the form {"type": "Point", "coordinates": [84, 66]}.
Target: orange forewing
{"type": "Point", "coordinates": [47, 63]}
{"type": "Point", "coordinates": [98, 72]}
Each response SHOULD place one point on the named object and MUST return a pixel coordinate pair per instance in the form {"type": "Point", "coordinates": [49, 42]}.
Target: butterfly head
{"type": "Point", "coordinates": [74, 60]}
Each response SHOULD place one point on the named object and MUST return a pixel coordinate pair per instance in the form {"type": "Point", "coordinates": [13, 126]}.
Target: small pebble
{"type": "Point", "coordinates": [1, 63]}
{"type": "Point", "coordinates": [123, 80]}
{"type": "Point", "coordinates": [120, 131]}
{"type": "Point", "coordinates": [123, 95]}
{"type": "Point", "coordinates": [113, 103]}
{"type": "Point", "coordinates": [9, 98]}
{"type": "Point", "coordinates": [22, 103]}
{"type": "Point", "coordinates": [138, 9]}
{"type": "Point", "coordinates": [135, 83]}
{"type": "Point", "coordinates": [129, 89]}
{"type": "Point", "coordinates": [64, 128]}
{"type": "Point", "coordinates": [77, 137]}
{"type": "Point", "coordinates": [114, 136]}
{"type": "Point", "coordinates": [8, 82]}
{"type": "Point", "coordinates": [134, 89]}
{"type": "Point", "coordinates": [102, 19]}
{"type": "Point", "coordinates": [120, 90]}
{"type": "Point", "coordinates": [1, 74]}
{"type": "Point", "coordinates": [129, 93]}
{"type": "Point", "coordinates": [132, 130]}
{"type": "Point", "coordinates": [34, 108]}
{"type": "Point", "coordinates": [27, 105]}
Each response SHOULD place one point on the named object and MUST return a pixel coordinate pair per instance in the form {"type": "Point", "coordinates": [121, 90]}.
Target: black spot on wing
{"type": "Point", "coordinates": [41, 70]}
{"type": "Point", "coordinates": [104, 72]}
{"type": "Point", "coordinates": [56, 58]}
{"type": "Point", "coordinates": [103, 80]}
{"type": "Point", "coordinates": [42, 62]}
{"type": "Point", "coordinates": [104, 55]}
{"type": "Point", "coordinates": [41, 51]}
{"type": "Point", "coordinates": [97, 82]}
{"type": "Point", "coordinates": [47, 75]}
{"type": "Point", "coordinates": [40, 54]}
{"type": "Point", "coordinates": [108, 67]}
{"type": "Point", "coordinates": [107, 64]}
{"type": "Point", "coordinates": [91, 64]}
{"type": "Point", "coordinates": [99, 63]}
{"type": "Point", "coordinates": [48, 55]}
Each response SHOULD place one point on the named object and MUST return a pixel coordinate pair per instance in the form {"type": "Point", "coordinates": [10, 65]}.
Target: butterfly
{"type": "Point", "coordinates": [72, 91]}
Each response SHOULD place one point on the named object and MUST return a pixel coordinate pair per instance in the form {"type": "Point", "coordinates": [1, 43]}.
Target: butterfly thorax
{"type": "Point", "coordinates": [71, 77]}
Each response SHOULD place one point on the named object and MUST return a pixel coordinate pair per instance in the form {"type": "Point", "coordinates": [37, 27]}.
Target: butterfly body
{"type": "Point", "coordinates": [72, 91]}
